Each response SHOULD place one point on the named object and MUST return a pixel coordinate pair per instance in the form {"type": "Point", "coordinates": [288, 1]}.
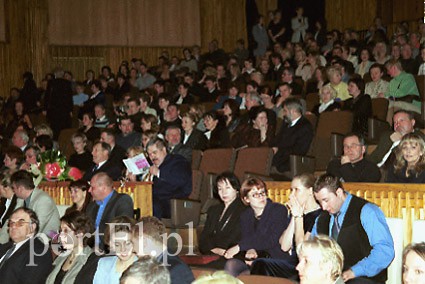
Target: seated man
{"type": "Point", "coordinates": [360, 229]}
{"type": "Point", "coordinates": [148, 239]}
{"type": "Point", "coordinates": [172, 177]}
{"type": "Point", "coordinates": [404, 123]}
{"type": "Point", "coordinates": [402, 90]}
{"type": "Point", "coordinates": [175, 147]}
{"type": "Point", "coordinates": [106, 205]}
{"type": "Point", "coordinates": [37, 200]}
{"type": "Point", "coordinates": [25, 259]}
{"type": "Point", "coordinates": [101, 153]}
{"type": "Point", "coordinates": [352, 167]}
{"type": "Point", "coordinates": [171, 117]}
{"type": "Point", "coordinates": [294, 137]}
{"type": "Point", "coordinates": [128, 136]}
{"type": "Point", "coordinates": [117, 152]}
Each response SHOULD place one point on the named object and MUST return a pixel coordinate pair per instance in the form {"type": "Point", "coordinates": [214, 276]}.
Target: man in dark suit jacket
{"type": "Point", "coordinates": [294, 137]}
{"type": "Point", "coordinates": [117, 152]}
{"type": "Point", "coordinates": [8, 203]}
{"type": "Point", "coordinates": [172, 177]}
{"type": "Point", "coordinates": [107, 204]}
{"type": "Point", "coordinates": [101, 152]}
{"type": "Point", "coordinates": [173, 138]}
{"type": "Point", "coordinates": [58, 103]}
{"type": "Point", "coordinates": [97, 97]}
{"type": "Point", "coordinates": [26, 259]}
{"type": "Point", "coordinates": [148, 240]}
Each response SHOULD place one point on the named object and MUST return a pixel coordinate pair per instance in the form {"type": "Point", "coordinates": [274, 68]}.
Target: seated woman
{"type": "Point", "coordinates": [110, 268]}
{"type": "Point", "coordinates": [317, 81]}
{"type": "Point", "coordinates": [80, 196]}
{"type": "Point", "coordinates": [267, 97]}
{"type": "Point", "coordinates": [327, 97]}
{"type": "Point", "coordinates": [409, 165]}
{"type": "Point", "coordinates": [364, 58]}
{"type": "Point", "coordinates": [13, 157]}
{"type": "Point", "coordinates": [257, 132]}
{"type": "Point", "coordinates": [222, 229]}
{"type": "Point", "coordinates": [335, 80]}
{"type": "Point", "coordinates": [232, 114]}
{"type": "Point", "coordinates": [76, 261]}
{"type": "Point", "coordinates": [8, 203]}
{"type": "Point", "coordinates": [360, 104]}
{"type": "Point", "coordinates": [321, 261]}
{"type": "Point", "coordinates": [262, 224]}
{"type": "Point", "coordinates": [217, 133]}
{"type": "Point", "coordinates": [183, 95]}
{"type": "Point", "coordinates": [304, 211]}
{"type": "Point", "coordinates": [88, 127]}
{"type": "Point", "coordinates": [149, 122]}
{"type": "Point", "coordinates": [82, 158]}
{"type": "Point", "coordinates": [198, 110]}
{"type": "Point", "coordinates": [414, 264]}
{"type": "Point", "coordinates": [192, 137]}
{"type": "Point", "coordinates": [377, 87]}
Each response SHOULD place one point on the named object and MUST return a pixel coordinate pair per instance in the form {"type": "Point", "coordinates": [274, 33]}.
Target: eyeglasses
{"type": "Point", "coordinates": [18, 223]}
{"type": "Point", "coordinates": [352, 146]}
{"type": "Point", "coordinates": [258, 194]}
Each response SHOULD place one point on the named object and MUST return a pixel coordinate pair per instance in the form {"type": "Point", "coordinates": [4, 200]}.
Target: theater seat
{"type": "Point", "coordinates": [256, 279]}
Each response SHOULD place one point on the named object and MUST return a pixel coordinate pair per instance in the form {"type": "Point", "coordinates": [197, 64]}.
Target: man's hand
{"type": "Point", "coordinates": [218, 251]}
{"type": "Point", "coordinates": [347, 275]}
{"type": "Point", "coordinates": [345, 160]}
{"type": "Point", "coordinates": [396, 136]}
{"type": "Point", "coordinates": [154, 170]}
{"type": "Point", "coordinates": [231, 252]}
{"type": "Point", "coordinates": [251, 254]}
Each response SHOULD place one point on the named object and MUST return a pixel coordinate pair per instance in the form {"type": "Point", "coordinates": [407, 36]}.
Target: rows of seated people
{"type": "Point", "coordinates": [323, 233]}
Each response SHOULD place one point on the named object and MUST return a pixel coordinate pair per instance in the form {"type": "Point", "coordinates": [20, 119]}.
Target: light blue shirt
{"type": "Point", "coordinates": [102, 204]}
{"type": "Point", "coordinates": [80, 99]}
{"type": "Point", "coordinates": [378, 233]}
{"type": "Point", "coordinates": [106, 272]}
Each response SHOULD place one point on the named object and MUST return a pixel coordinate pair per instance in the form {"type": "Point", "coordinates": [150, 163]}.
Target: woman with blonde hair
{"type": "Point", "coordinates": [414, 264]}
{"type": "Point", "coordinates": [327, 97]}
{"type": "Point", "coordinates": [321, 261]}
{"type": "Point", "coordinates": [335, 80]}
{"type": "Point", "coordinates": [409, 166]}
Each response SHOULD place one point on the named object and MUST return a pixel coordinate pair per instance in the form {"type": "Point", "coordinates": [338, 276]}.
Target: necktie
{"type": "Point", "coordinates": [95, 168]}
{"type": "Point", "coordinates": [335, 228]}
{"type": "Point", "coordinates": [7, 255]}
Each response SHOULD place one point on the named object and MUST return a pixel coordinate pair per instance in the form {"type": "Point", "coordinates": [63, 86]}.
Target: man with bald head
{"type": "Point", "coordinates": [107, 204]}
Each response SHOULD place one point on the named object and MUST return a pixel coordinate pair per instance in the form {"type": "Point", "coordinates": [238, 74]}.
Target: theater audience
{"type": "Point", "coordinates": [222, 229]}
{"type": "Point", "coordinates": [74, 263]}
{"type": "Point", "coordinates": [321, 261]}
{"type": "Point", "coordinates": [409, 164]}
{"type": "Point", "coordinates": [118, 237]}
{"type": "Point", "coordinates": [262, 224]}
{"type": "Point", "coordinates": [414, 264]}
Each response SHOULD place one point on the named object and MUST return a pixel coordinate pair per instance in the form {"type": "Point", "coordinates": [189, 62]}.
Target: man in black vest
{"type": "Point", "coordinates": [360, 229]}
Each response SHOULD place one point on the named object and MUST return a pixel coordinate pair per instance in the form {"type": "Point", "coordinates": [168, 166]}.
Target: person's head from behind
{"type": "Point", "coordinates": [100, 186]}
{"type": "Point", "coordinates": [44, 143]}
{"type": "Point", "coordinates": [329, 192]}
{"type": "Point", "coordinates": [227, 187]}
{"type": "Point", "coordinates": [74, 225]}
{"type": "Point", "coordinates": [354, 147]}
{"type": "Point", "coordinates": [43, 129]}
{"type": "Point", "coordinates": [414, 264]}
{"type": "Point", "coordinates": [218, 277]}
{"type": "Point", "coordinates": [149, 237]}
{"type": "Point", "coordinates": [22, 184]}
{"type": "Point", "coordinates": [118, 237]}
{"type": "Point", "coordinates": [320, 260]}
{"type": "Point", "coordinates": [22, 224]}
{"type": "Point", "coordinates": [411, 153]}
{"type": "Point", "coordinates": [147, 270]}
{"type": "Point", "coordinates": [403, 122]}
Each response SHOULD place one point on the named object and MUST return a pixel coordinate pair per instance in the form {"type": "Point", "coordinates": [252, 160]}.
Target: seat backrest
{"type": "Point", "coordinates": [255, 279]}
{"type": "Point", "coordinates": [313, 120]}
{"type": "Point", "coordinates": [253, 160]}
{"type": "Point", "coordinates": [217, 160]}
{"type": "Point", "coordinates": [196, 159]}
{"type": "Point", "coordinates": [420, 82]}
{"type": "Point", "coordinates": [65, 143]}
{"type": "Point", "coordinates": [329, 122]}
{"type": "Point", "coordinates": [197, 176]}
{"type": "Point", "coordinates": [311, 100]}
{"type": "Point", "coordinates": [380, 108]}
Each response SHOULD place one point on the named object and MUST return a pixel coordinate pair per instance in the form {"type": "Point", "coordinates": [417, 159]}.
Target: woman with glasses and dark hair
{"type": "Point", "coordinates": [80, 195]}
{"type": "Point", "coordinates": [76, 262]}
{"type": "Point", "coordinates": [222, 229]}
{"type": "Point", "coordinates": [262, 224]}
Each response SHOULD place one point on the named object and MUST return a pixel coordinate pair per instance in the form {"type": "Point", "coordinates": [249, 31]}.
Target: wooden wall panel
{"type": "Point", "coordinates": [356, 14]}
{"type": "Point", "coordinates": [406, 10]}
{"type": "Point", "coordinates": [264, 6]}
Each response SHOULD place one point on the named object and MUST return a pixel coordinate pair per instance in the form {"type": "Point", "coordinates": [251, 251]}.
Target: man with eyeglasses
{"type": "Point", "coordinates": [37, 200]}
{"type": "Point", "coordinates": [352, 167]}
{"type": "Point", "coordinates": [25, 259]}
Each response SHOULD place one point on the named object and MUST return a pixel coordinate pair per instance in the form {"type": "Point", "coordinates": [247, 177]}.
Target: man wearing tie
{"type": "Point", "coordinates": [101, 153]}
{"type": "Point", "coordinates": [360, 229]}
{"type": "Point", "coordinates": [25, 259]}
